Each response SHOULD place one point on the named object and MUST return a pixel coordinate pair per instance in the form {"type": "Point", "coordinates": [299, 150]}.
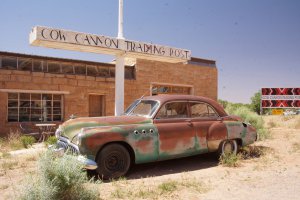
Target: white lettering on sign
{"type": "Point", "coordinates": [280, 97]}
{"type": "Point", "coordinates": [70, 40]}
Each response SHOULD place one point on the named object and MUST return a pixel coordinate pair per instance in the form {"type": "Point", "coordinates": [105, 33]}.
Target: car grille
{"type": "Point", "coordinates": [67, 146]}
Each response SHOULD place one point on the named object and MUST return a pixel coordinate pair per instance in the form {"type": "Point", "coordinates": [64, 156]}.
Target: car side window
{"type": "Point", "coordinates": [173, 110]}
{"type": "Point", "coordinates": [202, 110]}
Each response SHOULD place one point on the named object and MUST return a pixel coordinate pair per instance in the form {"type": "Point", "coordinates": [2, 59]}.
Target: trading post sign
{"type": "Point", "coordinates": [77, 41]}
{"type": "Point", "coordinates": [280, 97]}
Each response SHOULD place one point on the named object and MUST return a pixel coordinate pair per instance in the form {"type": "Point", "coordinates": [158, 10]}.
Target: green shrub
{"type": "Point", "coordinates": [60, 178]}
{"type": "Point", "coordinates": [27, 141]}
{"type": "Point", "coordinates": [51, 140]}
{"type": "Point", "coordinates": [230, 160]}
{"type": "Point", "coordinates": [249, 116]}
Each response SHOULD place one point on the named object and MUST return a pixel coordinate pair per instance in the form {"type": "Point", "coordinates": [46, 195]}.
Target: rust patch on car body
{"type": "Point", "coordinates": [142, 138]}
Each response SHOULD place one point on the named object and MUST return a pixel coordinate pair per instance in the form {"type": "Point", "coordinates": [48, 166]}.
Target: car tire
{"type": "Point", "coordinates": [228, 146]}
{"type": "Point", "coordinates": [113, 161]}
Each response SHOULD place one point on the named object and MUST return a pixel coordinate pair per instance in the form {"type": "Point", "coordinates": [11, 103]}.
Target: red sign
{"type": "Point", "coordinates": [280, 97]}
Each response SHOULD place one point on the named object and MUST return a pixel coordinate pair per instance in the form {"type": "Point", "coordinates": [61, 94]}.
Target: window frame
{"type": "Point", "coordinates": [175, 118]}
{"type": "Point", "coordinates": [207, 105]}
{"type": "Point", "coordinates": [30, 107]}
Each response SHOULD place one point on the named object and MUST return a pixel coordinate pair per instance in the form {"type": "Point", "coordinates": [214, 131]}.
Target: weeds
{"type": "Point", "coordinates": [230, 160]}
{"type": "Point", "coordinates": [9, 164]}
{"type": "Point", "coordinates": [297, 124]}
{"type": "Point", "coordinates": [58, 178]}
{"type": "Point", "coordinates": [14, 141]}
{"type": "Point", "coordinates": [166, 188]}
{"type": "Point", "coordinates": [51, 140]}
{"type": "Point", "coordinates": [249, 152]}
{"type": "Point", "coordinates": [27, 141]}
{"type": "Point", "coordinates": [272, 124]}
{"type": "Point", "coordinates": [3, 187]}
{"type": "Point", "coordinates": [296, 146]}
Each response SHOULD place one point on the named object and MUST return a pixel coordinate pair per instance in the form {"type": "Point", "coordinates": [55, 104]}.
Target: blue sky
{"type": "Point", "coordinates": [255, 43]}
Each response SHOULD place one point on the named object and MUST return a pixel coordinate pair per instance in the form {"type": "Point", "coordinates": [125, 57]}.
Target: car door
{"type": "Point", "coordinates": [175, 130]}
{"type": "Point", "coordinates": [203, 118]}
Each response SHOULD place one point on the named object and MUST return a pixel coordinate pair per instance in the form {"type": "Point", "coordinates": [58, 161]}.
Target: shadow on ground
{"type": "Point", "coordinates": [193, 163]}
{"type": "Point", "coordinates": [173, 166]}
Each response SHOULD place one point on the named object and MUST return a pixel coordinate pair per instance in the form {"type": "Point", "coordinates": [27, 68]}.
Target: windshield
{"type": "Point", "coordinates": [143, 108]}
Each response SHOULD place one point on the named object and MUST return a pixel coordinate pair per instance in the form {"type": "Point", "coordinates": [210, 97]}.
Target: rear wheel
{"type": "Point", "coordinates": [227, 147]}
{"type": "Point", "coordinates": [113, 161]}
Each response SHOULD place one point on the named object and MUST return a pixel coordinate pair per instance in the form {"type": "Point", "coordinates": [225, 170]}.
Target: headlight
{"type": "Point", "coordinates": [76, 139]}
{"type": "Point", "coordinates": [58, 133]}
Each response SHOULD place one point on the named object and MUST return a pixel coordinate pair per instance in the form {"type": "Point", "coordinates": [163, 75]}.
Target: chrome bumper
{"type": "Point", "coordinates": [64, 145]}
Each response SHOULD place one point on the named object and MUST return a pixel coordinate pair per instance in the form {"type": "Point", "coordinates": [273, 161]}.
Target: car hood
{"type": "Point", "coordinates": [73, 126]}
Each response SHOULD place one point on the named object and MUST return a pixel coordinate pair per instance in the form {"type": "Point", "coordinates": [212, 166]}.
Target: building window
{"type": "Point", "coordinates": [57, 67]}
{"type": "Point", "coordinates": [54, 67]}
{"type": "Point", "coordinates": [170, 89]}
{"type": "Point", "coordinates": [9, 62]}
{"type": "Point", "coordinates": [25, 107]}
{"type": "Point", "coordinates": [38, 65]}
{"type": "Point", "coordinates": [129, 72]}
{"type": "Point", "coordinates": [80, 69]}
{"type": "Point", "coordinates": [67, 68]}
{"type": "Point", "coordinates": [25, 64]}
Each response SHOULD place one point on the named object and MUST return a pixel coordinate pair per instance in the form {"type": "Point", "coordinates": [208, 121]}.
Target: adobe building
{"type": "Point", "coordinates": [37, 89]}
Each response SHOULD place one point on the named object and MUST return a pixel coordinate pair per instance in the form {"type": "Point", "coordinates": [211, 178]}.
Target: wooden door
{"type": "Point", "coordinates": [96, 105]}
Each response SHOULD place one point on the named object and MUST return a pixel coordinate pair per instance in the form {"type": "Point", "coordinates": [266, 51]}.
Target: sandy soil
{"type": "Point", "coordinates": [275, 175]}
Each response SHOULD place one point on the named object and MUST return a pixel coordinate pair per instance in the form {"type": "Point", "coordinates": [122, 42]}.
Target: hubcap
{"type": "Point", "coordinates": [228, 148]}
{"type": "Point", "coordinates": [114, 162]}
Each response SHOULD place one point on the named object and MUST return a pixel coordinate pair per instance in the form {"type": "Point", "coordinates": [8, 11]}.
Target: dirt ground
{"type": "Point", "coordinates": [274, 175]}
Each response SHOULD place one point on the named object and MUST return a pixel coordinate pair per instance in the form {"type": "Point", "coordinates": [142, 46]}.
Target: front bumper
{"type": "Point", "coordinates": [65, 146]}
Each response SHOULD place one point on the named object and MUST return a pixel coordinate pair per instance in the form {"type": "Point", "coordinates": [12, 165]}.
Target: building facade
{"type": "Point", "coordinates": [36, 89]}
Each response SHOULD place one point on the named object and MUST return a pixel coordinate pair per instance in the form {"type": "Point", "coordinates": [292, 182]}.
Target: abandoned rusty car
{"type": "Point", "coordinates": [153, 128]}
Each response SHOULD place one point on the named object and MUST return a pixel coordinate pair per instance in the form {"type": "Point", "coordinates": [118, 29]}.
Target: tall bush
{"type": "Point", "coordinates": [250, 117]}
{"type": "Point", "coordinates": [59, 178]}
{"type": "Point", "coordinates": [255, 102]}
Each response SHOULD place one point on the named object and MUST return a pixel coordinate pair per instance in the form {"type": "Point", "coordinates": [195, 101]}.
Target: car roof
{"type": "Point", "coordinates": [163, 98]}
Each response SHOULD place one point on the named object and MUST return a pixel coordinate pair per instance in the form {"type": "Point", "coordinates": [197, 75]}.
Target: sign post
{"type": "Point", "coordinates": [119, 79]}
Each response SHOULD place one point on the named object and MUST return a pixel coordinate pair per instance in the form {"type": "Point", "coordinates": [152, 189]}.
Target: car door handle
{"type": "Point", "coordinates": [189, 122]}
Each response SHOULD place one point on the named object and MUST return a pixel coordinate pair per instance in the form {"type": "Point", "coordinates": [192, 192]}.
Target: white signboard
{"type": "Point", "coordinates": [70, 40]}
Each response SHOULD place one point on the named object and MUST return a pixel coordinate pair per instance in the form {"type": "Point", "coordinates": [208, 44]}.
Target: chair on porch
{"type": "Point", "coordinates": [28, 130]}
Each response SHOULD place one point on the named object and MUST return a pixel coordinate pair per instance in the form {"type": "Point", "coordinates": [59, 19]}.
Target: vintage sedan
{"type": "Point", "coordinates": [152, 129]}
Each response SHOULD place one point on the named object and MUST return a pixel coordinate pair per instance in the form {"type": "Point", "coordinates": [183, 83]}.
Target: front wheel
{"type": "Point", "coordinates": [113, 161]}
{"type": "Point", "coordinates": [228, 147]}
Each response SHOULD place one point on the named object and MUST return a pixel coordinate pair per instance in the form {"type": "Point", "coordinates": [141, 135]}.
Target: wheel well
{"type": "Point", "coordinates": [124, 144]}
{"type": "Point", "coordinates": [239, 141]}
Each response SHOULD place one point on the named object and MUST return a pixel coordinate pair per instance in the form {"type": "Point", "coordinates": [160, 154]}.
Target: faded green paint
{"type": "Point", "coordinates": [144, 145]}
{"type": "Point", "coordinates": [72, 127]}
{"type": "Point", "coordinates": [200, 149]}
{"type": "Point", "coordinates": [238, 130]}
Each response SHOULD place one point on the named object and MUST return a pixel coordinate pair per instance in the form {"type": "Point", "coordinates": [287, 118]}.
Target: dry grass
{"type": "Point", "coordinates": [296, 147]}
{"type": "Point", "coordinates": [297, 123]}
{"type": "Point", "coordinates": [272, 124]}
{"type": "Point", "coordinates": [11, 142]}
{"type": "Point", "coordinates": [171, 187]}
